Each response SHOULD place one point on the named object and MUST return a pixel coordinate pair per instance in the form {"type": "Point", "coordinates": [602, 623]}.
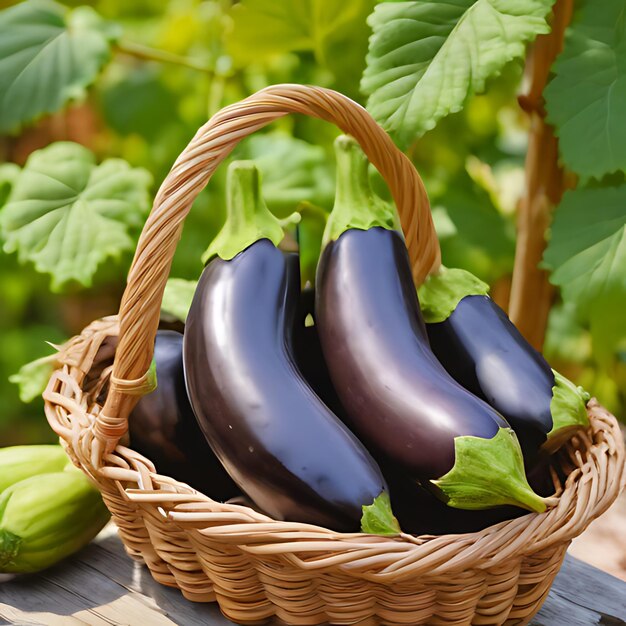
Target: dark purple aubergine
{"type": "Point", "coordinates": [484, 352]}
{"type": "Point", "coordinates": [482, 349]}
{"type": "Point", "coordinates": [399, 398]}
{"type": "Point", "coordinates": [163, 427]}
{"type": "Point", "coordinates": [280, 443]}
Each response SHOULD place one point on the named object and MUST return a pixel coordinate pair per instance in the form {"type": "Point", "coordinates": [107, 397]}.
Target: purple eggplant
{"type": "Point", "coordinates": [399, 398]}
{"type": "Point", "coordinates": [163, 427]}
{"type": "Point", "coordinates": [481, 348]}
{"type": "Point", "coordinates": [280, 443]}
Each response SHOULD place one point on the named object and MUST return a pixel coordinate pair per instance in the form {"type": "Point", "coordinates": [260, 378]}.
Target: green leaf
{"type": "Point", "coordinates": [178, 296]}
{"type": "Point", "coordinates": [33, 377]}
{"type": "Point", "coordinates": [566, 339]}
{"type": "Point", "coordinates": [67, 215]}
{"type": "Point", "coordinates": [608, 330]}
{"type": "Point", "coordinates": [587, 248]}
{"type": "Point", "coordinates": [334, 30]}
{"type": "Point", "coordinates": [8, 176]}
{"type": "Point", "coordinates": [426, 58]}
{"type": "Point", "coordinates": [48, 56]}
{"type": "Point", "coordinates": [585, 99]}
{"type": "Point", "coordinates": [473, 234]}
{"type": "Point", "coordinates": [127, 102]}
{"type": "Point", "coordinates": [378, 518]}
{"type": "Point", "coordinates": [292, 170]}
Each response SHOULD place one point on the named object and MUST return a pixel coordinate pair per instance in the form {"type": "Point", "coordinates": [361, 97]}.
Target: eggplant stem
{"type": "Point", "coordinates": [247, 217]}
{"type": "Point", "coordinates": [356, 205]}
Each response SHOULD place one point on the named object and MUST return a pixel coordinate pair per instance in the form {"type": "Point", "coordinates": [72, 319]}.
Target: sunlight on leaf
{"type": "Point", "coordinates": [426, 58]}
{"type": "Point", "coordinates": [67, 215]}
{"type": "Point", "coordinates": [334, 30]}
{"type": "Point", "coordinates": [33, 377]}
{"type": "Point", "coordinates": [586, 99]}
{"type": "Point", "coordinates": [587, 248]}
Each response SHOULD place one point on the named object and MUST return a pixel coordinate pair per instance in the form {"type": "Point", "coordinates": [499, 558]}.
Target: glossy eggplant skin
{"type": "Point", "coordinates": [418, 511]}
{"type": "Point", "coordinates": [481, 348]}
{"type": "Point", "coordinates": [281, 444]}
{"type": "Point", "coordinates": [164, 429]}
{"type": "Point", "coordinates": [398, 396]}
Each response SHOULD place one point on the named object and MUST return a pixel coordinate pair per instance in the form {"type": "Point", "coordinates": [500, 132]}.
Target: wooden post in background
{"type": "Point", "coordinates": [531, 293]}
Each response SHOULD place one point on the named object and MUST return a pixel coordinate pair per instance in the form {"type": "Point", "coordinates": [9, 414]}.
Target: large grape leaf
{"type": "Point", "coordinates": [587, 248]}
{"type": "Point", "coordinates": [48, 56]}
{"type": "Point", "coordinates": [425, 58]}
{"type": "Point", "coordinates": [586, 99]}
{"type": "Point", "coordinates": [334, 30]}
{"type": "Point", "coordinates": [66, 214]}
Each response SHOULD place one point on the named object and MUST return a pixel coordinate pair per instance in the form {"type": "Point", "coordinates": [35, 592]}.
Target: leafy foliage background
{"type": "Point", "coordinates": [132, 81]}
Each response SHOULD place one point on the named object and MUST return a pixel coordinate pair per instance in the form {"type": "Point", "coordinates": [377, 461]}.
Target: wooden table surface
{"type": "Point", "coordinates": [101, 586]}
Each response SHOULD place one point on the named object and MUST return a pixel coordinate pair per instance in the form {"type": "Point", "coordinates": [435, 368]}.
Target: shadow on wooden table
{"type": "Point", "coordinates": [100, 585]}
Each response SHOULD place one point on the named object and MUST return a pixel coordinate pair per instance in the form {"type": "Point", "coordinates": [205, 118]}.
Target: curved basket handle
{"type": "Point", "coordinates": [140, 307]}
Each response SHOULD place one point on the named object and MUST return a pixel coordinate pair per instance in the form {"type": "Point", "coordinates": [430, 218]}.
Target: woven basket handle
{"type": "Point", "coordinates": [140, 307]}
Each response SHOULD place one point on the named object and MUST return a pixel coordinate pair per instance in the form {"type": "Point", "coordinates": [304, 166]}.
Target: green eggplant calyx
{"type": "Point", "coordinates": [247, 217]}
{"type": "Point", "coordinates": [568, 409]}
{"type": "Point", "coordinates": [356, 205]}
{"type": "Point", "coordinates": [9, 548]}
{"type": "Point", "coordinates": [442, 292]}
{"type": "Point", "coordinates": [378, 518]}
{"type": "Point", "coordinates": [488, 473]}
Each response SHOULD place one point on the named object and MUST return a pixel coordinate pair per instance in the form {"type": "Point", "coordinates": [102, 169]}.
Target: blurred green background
{"type": "Point", "coordinates": [176, 63]}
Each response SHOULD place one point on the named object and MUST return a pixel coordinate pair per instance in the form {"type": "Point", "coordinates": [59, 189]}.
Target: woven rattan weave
{"type": "Point", "coordinates": [258, 568]}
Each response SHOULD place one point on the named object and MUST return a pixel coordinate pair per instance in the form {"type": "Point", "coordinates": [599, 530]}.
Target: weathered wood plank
{"type": "Point", "coordinates": [601, 591]}
{"type": "Point", "coordinates": [102, 586]}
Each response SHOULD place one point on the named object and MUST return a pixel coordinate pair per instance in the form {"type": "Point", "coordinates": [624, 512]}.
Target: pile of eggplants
{"type": "Point", "coordinates": [351, 404]}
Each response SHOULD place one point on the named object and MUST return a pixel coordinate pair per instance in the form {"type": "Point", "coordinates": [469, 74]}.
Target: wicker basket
{"type": "Point", "coordinates": [257, 568]}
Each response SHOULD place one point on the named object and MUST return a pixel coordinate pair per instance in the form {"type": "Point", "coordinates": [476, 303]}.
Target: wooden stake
{"type": "Point", "coordinates": [531, 293]}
